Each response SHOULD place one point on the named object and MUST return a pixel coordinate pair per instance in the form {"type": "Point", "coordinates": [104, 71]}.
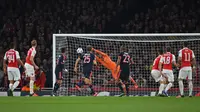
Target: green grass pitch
{"type": "Point", "coordinates": [99, 104]}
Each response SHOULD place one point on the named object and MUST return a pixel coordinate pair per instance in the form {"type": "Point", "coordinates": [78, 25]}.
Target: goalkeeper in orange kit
{"type": "Point", "coordinates": [105, 60]}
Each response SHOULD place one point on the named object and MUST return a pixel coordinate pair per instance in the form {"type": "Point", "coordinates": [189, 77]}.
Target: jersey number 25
{"type": "Point", "coordinates": [86, 59]}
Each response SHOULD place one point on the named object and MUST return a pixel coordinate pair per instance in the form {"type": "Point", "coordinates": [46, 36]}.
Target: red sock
{"type": "Point", "coordinates": [77, 87]}
{"type": "Point", "coordinates": [133, 81]}
{"type": "Point", "coordinates": [124, 87]}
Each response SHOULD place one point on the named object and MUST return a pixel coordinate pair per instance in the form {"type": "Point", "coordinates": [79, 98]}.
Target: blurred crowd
{"type": "Point", "coordinates": [24, 20]}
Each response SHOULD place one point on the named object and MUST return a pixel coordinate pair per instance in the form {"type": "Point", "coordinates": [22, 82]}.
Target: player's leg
{"type": "Point", "coordinates": [127, 88]}
{"type": "Point", "coordinates": [121, 84]}
{"type": "Point", "coordinates": [17, 78]}
{"type": "Point", "coordinates": [158, 78]}
{"type": "Point", "coordinates": [170, 77]}
{"type": "Point", "coordinates": [133, 81]}
{"type": "Point", "coordinates": [127, 76]}
{"type": "Point", "coordinates": [122, 87]}
{"type": "Point", "coordinates": [117, 77]}
{"type": "Point", "coordinates": [11, 81]}
{"type": "Point", "coordinates": [88, 81]}
{"type": "Point", "coordinates": [58, 82]}
{"type": "Point", "coordinates": [80, 84]}
{"type": "Point", "coordinates": [190, 85]}
{"type": "Point", "coordinates": [182, 75]}
{"type": "Point", "coordinates": [31, 85]}
{"type": "Point", "coordinates": [161, 88]}
{"type": "Point", "coordinates": [56, 86]}
{"type": "Point", "coordinates": [127, 85]}
{"type": "Point", "coordinates": [31, 74]}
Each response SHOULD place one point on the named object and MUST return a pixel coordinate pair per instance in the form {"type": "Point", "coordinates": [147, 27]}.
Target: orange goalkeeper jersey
{"type": "Point", "coordinates": [108, 63]}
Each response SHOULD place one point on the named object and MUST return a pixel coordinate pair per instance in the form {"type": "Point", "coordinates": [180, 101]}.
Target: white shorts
{"type": "Point", "coordinates": [13, 74]}
{"type": "Point", "coordinates": [169, 74]}
{"type": "Point", "coordinates": [30, 72]}
{"type": "Point", "coordinates": [185, 72]}
{"type": "Point", "coordinates": [156, 75]}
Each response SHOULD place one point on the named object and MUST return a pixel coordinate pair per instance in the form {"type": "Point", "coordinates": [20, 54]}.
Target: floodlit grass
{"type": "Point", "coordinates": [99, 104]}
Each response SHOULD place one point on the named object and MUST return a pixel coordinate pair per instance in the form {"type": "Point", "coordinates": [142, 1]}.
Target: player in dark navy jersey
{"type": "Point", "coordinates": [124, 60]}
{"type": "Point", "coordinates": [88, 61]}
{"type": "Point", "coordinates": [59, 70]}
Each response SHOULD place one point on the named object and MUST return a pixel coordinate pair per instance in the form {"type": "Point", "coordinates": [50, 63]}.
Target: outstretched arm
{"type": "Point", "coordinates": [193, 60]}
{"type": "Point", "coordinates": [76, 64]}
{"type": "Point", "coordinates": [4, 66]}
{"type": "Point", "coordinates": [99, 52]}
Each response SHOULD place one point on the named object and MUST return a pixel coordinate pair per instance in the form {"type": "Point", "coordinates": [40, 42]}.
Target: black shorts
{"type": "Point", "coordinates": [87, 75]}
{"type": "Point", "coordinates": [124, 76]}
{"type": "Point", "coordinates": [59, 75]}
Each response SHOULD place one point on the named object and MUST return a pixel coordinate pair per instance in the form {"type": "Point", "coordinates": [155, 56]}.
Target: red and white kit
{"type": "Point", "coordinates": [186, 56]}
{"type": "Point", "coordinates": [13, 68]}
{"type": "Point", "coordinates": [29, 66]}
{"type": "Point", "coordinates": [155, 71]}
{"type": "Point", "coordinates": [167, 61]}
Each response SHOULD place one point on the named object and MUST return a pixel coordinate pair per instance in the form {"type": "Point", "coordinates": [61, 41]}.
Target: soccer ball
{"type": "Point", "coordinates": [79, 50]}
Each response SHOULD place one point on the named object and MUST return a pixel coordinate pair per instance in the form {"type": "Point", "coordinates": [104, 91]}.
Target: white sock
{"type": "Point", "coordinates": [190, 88]}
{"type": "Point", "coordinates": [181, 87]}
{"type": "Point", "coordinates": [161, 88]}
{"type": "Point", "coordinates": [31, 86]}
{"type": "Point", "coordinates": [15, 85]}
{"type": "Point", "coordinates": [168, 87]}
{"type": "Point", "coordinates": [10, 86]}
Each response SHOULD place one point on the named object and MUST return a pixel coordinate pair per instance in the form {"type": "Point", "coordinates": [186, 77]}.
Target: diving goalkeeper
{"type": "Point", "coordinates": [105, 60]}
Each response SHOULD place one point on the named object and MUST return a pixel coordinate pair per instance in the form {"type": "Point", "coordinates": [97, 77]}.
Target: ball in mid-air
{"type": "Point", "coordinates": [79, 50]}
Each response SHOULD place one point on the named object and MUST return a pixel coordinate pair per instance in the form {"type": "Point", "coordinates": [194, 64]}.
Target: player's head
{"type": "Point", "coordinates": [168, 49]}
{"type": "Point", "coordinates": [123, 49]}
{"type": "Point", "coordinates": [62, 50]}
{"type": "Point", "coordinates": [185, 44]}
{"type": "Point", "coordinates": [89, 48]}
{"type": "Point", "coordinates": [160, 51]}
{"type": "Point", "coordinates": [33, 43]}
{"type": "Point", "coordinates": [12, 45]}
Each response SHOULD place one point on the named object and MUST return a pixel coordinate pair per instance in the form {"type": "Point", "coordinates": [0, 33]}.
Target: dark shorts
{"type": "Point", "coordinates": [87, 75]}
{"type": "Point", "coordinates": [124, 76]}
{"type": "Point", "coordinates": [59, 75]}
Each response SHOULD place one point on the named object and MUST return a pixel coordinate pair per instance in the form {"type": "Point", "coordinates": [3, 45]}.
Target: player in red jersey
{"type": "Point", "coordinates": [167, 61]}
{"type": "Point", "coordinates": [156, 73]}
{"type": "Point", "coordinates": [12, 58]}
{"type": "Point", "coordinates": [30, 65]}
{"type": "Point", "coordinates": [186, 60]}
